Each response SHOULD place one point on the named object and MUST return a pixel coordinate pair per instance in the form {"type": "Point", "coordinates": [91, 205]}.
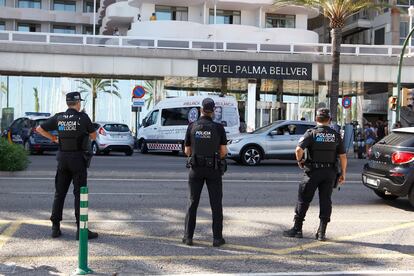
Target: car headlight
{"type": "Point", "coordinates": [235, 141]}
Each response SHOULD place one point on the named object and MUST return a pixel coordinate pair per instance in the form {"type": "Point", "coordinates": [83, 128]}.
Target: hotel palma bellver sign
{"type": "Point", "coordinates": [254, 69]}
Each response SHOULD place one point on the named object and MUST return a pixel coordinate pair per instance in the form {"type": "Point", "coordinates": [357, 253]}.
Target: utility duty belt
{"type": "Point", "coordinates": [203, 161]}
{"type": "Point", "coordinates": [315, 165]}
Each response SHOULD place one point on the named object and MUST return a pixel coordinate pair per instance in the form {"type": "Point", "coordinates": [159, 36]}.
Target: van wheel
{"type": "Point", "coordinates": [251, 156]}
{"type": "Point", "coordinates": [144, 147]}
{"type": "Point", "coordinates": [382, 195]}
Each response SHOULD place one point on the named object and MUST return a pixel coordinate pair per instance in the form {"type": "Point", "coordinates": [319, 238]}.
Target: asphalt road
{"type": "Point", "coordinates": [140, 222]}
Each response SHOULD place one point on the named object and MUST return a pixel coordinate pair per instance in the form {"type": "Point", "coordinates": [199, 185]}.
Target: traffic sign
{"type": "Point", "coordinates": [138, 92]}
{"type": "Point", "coordinates": [138, 102]}
{"type": "Point", "coordinates": [346, 102]}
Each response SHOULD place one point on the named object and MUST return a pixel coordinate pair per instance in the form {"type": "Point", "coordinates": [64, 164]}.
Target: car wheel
{"type": "Point", "coordinates": [129, 152]}
{"type": "Point", "coordinates": [144, 147]}
{"type": "Point", "coordinates": [411, 196]}
{"type": "Point", "coordinates": [95, 149]}
{"type": "Point", "coordinates": [251, 156]}
{"type": "Point", "coordinates": [382, 195]}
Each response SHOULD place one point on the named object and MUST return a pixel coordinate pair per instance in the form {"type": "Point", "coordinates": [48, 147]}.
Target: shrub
{"type": "Point", "coordinates": [12, 157]}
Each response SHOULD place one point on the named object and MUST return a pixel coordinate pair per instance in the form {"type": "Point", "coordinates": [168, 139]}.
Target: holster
{"type": "Point", "coordinates": [87, 156]}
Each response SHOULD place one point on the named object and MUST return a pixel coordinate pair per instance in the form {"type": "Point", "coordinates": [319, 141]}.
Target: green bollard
{"type": "Point", "coordinates": [83, 268]}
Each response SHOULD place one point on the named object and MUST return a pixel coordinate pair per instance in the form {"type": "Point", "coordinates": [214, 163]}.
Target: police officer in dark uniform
{"type": "Point", "coordinates": [323, 146]}
{"type": "Point", "coordinates": [75, 130]}
{"type": "Point", "coordinates": [206, 147]}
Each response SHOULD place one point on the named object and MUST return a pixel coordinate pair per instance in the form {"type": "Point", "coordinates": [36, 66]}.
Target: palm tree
{"type": "Point", "coordinates": [36, 96]}
{"type": "Point", "coordinates": [336, 11]}
{"type": "Point", "coordinates": [150, 91]}
{"type": "Point", "coordinates": [94, 86]}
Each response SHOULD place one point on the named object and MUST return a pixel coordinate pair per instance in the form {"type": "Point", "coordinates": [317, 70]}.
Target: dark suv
{"type": "Point", "coordinates": [390, 170]}
{"type": "Point", "coordinates": [23, 131]}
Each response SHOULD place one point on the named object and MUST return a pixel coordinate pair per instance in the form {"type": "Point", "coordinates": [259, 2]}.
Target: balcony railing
{"type": "Point", "coordinates": [197, 45]}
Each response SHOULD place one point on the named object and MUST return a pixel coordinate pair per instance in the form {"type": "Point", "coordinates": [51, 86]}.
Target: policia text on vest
{"type": "Point", "coordinates": [205, 144]}
{"type": "Point", "coordinates": [75, 130]}
{"type": "Point", "coordinates": [323, 147]}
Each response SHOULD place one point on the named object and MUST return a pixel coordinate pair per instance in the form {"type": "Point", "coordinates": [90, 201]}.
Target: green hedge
{"type": "Point", "coordinates": [12, 157]}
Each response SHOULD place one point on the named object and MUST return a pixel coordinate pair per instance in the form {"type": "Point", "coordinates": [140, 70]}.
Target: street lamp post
{"type": "Point", "coordinates": [406, 42]}
{"type": "Point", "coordinates": [94, 17]}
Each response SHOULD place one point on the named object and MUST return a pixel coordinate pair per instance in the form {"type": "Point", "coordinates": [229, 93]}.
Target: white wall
{"type": "Point", "coordinates": [248, 18]}
{"type": "Point", "coordinates": [196, 13]}
{"type": "Point", "coordinates": [301, 21]}
{"type": "Point", "coordinates": [146, 11]}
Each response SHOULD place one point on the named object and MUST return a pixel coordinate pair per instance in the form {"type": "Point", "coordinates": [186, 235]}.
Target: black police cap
{"type": "Point", "coordinates": [323, 113]}
{"type": "Point", "coordinates": [73, 97]}
{"type": "Point", "coordinates": [208, 105]}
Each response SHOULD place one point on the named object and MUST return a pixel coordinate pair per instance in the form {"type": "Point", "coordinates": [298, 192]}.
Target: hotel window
{"type": "Point", "coordinates": [33, 4]}
{"type": "Point", "coordinates": [379, 36]}
{"type": "Point", "coordinates": [64, 29]}
{"type": "Point", "coordinates": [61, 5]}
{"type": "Point", "coordinates": [88, 30]}
{"type": "Point", "coordinates": [404, 30]}
{"type": "Point", "coordinates": [171, 13]}
{"type": "Point", "coordinates": [2, 2]}
{"type": "Point", "coordinates": [27, 27]}
{"type": "Point", "coordinates": [88, 6]}
{"type": "Point", "coordinates": [2, 26]}
{"type": "Point", "coordinates": [225, 17]}
{"type": "Point", "coordinates": [280, 21]}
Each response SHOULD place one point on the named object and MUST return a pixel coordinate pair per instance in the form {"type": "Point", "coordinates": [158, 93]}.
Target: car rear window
{"type": "Point", "coordinates": [116, 128]}
{"type": "Point", "coordinates": [37, 123]}
{"type": "Point", "coordinates": [399, 139]}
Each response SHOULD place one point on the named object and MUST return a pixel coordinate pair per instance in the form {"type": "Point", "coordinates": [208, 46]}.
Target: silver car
{"type": "Point", "coordinates": [275, 141]}
{"type": "Point", "coordinates": [112, 137]}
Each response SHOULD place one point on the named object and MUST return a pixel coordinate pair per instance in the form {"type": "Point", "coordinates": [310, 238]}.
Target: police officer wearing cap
{"type": "Point", "coordinates": [206, 146]}
{"type": "Point", "coordinates": [323, 146]}
{"type": "Point", "coordinates": [74, 131]}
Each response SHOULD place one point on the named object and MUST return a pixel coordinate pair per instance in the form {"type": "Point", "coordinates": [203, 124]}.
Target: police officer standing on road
{"type": "Point", "coordinates": [323, 145]}
{"type": "Point", "coordinates": [74, 131]}
{"type": "Point", "coordinates": [206, 147]}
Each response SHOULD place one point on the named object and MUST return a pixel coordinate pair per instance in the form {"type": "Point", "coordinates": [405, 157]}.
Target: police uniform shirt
{"type": "Point", "coordinates": [220, 130]}
{"type": "Point", "coordinates": [328, 135]}
{"type": "Point", "coordinates": [84, 126]}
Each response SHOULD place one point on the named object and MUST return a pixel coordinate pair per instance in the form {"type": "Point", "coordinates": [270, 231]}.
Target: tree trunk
{"type": "Point", "coordinates": [93, 105]}
{"type": "Point", "coordinates": [336, 34]}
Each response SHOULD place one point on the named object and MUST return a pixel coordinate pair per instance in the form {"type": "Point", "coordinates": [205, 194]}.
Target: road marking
{"type": "Point", "coordinates": [345, 238]}
{"type": "Point", "coordinates": [8, 233]}
{"type": "Point", "coordinates": [247, 181]}
{"type": "Point", "coordinates": [242, 257]}
{"type": "Point", "coordinates": [111, 194]}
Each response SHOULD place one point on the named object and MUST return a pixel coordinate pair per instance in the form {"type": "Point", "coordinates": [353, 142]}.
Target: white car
{"type": "Point", "coordinates": [112, 137]}
{"type": "Point", "coordinates": [165, 126]}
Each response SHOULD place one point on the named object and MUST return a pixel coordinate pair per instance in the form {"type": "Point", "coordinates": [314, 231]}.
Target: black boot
{"type": "Point", "coordinates": [56, 230]}
{"type": "Point", "coordinates": [187, 241]}
{"type": "Point", "coordinates": [321, 234]}
{"type": "Point", "coordinates": [295, 231]}
{"type": "Point", "coordinates": [218, 242]}
{"type": "Point", "coordinates": [91, 235]}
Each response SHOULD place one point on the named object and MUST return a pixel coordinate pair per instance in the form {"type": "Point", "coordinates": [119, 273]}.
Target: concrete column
{"type": "Point", "coordinates": [360, 104]}
{"type": "Point", "coordinates": [46, 4]}
{"type": "Point", "coordinates": [79, 6]}
{"type": "Point", "coordinates": [251, 105]}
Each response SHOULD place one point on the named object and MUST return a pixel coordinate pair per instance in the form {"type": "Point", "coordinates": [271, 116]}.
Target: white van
{"type": "Point", "coordinates": [165, 126]}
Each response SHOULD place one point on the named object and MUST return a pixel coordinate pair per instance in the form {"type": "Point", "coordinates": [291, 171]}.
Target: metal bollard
{"type": "Point", "coordinates": [83, 268]}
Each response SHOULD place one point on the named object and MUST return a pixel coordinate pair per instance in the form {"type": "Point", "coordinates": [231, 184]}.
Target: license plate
{"type": "Point", "coordinates": [372, 181]}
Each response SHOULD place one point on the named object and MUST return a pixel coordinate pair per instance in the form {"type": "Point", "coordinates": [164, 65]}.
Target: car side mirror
{"type": "Point", "coordinates": [274, 133]}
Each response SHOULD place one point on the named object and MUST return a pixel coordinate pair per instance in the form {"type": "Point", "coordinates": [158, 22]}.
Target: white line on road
{"type": "Point", "coordinates": [168, 180]}
{"type": "Point", "coordinates": [313, 273]}
{"type": "Point", "coordinates": [51, 193]}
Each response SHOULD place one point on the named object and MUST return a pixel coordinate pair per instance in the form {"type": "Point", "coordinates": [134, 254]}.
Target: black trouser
{"type": "Point", "coordinates": [71, 167]}
{"type": "Point", "coordinates": [196, 181]}
{"type": "Point", "coordinates": [322, 179]}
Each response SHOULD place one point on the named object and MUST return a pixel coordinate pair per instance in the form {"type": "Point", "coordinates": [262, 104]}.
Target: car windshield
{"type": "Point", "coordinates": [266, 128]}
{"type": "Point", "coordinates": [116, 128]}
